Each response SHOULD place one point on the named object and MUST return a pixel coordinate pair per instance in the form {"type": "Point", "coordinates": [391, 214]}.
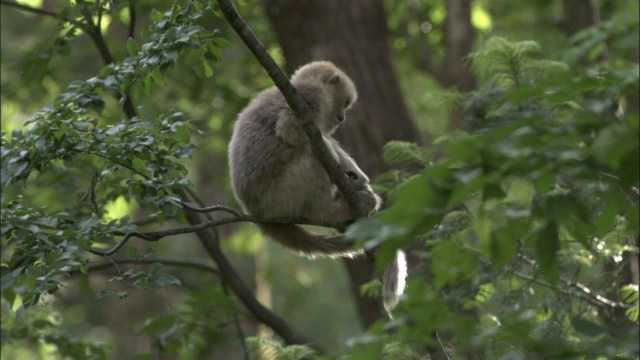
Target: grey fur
{"type": "Point", "coordinates": [274, 172]}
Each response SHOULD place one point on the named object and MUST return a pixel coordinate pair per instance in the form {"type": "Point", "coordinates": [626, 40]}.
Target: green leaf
{"type": "Point", "coordinates": [158, 78]}
{"type": "Point", "coordinates": [165, 280]}
{"type": "Point", "coordinates": [630, 294]}
{"type": "Point", "coordinates": [87, 223]}
{"type": "Point", "coordinates": [420, 202]}
{"type": "Point", "coordinates": [132, 47]}
{"type": "Point", "coordinates": [547, 244]}
{"type": "Point", "coordinates": [451, 265]}
{"type": "Point", "coordinates": [154, 268]}
{"type": "Point", "coordinates": [492, 191]}
{"type": "Point", "coordinates": [569, 213]}
{"type": "Point", "coordinates": [221, 42]}
{"type": "Point", "coordinates": [471, 181]}
{"type": "Point", "coordinates": [612, 144]}
{"type": "Point", "coordinates": [372, 288]}
{"type": "Point", "coordinates": [374, 232]}
{"type": "Point", "coordinates": [134, 253]}
{"type": "Point", "coordinates": [208, 71]}
{"type": "Point", "coordinates": [404, 153]}
{"type": "Point", "coordinates": [504, 242]}
{"type": "Point", "coordinates": [139, 165]}
{"type": "Point", "coordinates": [587, 327]}
{"type": "Point", "coordinates": [147, 113]}
{"type": "Point", "coordinates": [183, 135]}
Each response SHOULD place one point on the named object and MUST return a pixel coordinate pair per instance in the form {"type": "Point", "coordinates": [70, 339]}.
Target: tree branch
{"type": "Point", "coordinates": [94, 33]}
{"type": "Point", "coordinates": [298, 106]}
{"type": "Point", "coordinates": [34, 10]}
{"type": "Point", "coordinates": [209, 239]}
{"type": "Point", "coordinates": [90, 195]}
{"type": "Point", "coordinates": [186, 192]}
{"type": "Point", "coordinates": [583, 292]}
{"type": "Point", "coordinates": [211, 223]}
{"type": "Point", "coordinates": [132, 20]}
{"type": "Point", "coordinates": [189, 264]}
{"type": "Point", "coordinates": [574, 288]}
{"type": "Point", "coordinates": [212, 208]}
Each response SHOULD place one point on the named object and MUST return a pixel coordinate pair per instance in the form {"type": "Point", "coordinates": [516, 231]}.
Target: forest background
{"type": "Point", "coordinates": [503, 135]}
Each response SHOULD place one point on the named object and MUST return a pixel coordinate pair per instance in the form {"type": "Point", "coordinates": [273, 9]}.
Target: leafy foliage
{"type": "Point", "coordinates": [550, 182]}
{"type": "Point", "coordinates": [260, 348]}
{"type": "Point", "coordinates": [139, 158]}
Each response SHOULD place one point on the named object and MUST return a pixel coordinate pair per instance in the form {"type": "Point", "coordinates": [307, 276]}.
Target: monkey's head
{"type": "Point", "coordinates": [339, 92]}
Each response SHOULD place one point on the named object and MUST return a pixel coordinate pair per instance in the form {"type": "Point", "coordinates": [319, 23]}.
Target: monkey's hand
{"type": "Point", "coordinates": [359, 181]}
{"type": "Point", "coordinates": [354, 173]}
{"type": "Point", "coordinates": [371, 200]}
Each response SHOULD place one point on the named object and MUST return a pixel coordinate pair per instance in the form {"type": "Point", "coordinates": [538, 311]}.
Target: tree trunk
{"type": "Point", "coordinates": [460, 39]}
{"type": "Point", "coordinates": [353, 35]}
{"type": "Point", "coordinates": [579, 15]}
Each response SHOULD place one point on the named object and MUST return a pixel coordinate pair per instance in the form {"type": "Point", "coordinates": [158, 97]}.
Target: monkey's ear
{"type": "Point", "coordinates": [335, 79]}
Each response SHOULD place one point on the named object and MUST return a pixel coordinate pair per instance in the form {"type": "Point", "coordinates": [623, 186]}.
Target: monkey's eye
{"type": "Point", "coordinates": [347, 102]}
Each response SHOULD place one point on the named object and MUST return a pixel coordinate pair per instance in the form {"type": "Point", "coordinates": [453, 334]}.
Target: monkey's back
{"type": "Point", "coordinates": [270, 177]}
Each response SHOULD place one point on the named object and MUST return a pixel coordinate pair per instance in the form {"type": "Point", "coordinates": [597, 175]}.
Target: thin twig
{"type": "Point", "coordinates": [575, 289]}
{"type": "Point", "coordinates": [444, 349]}
{"type": "Point", "coordinates": [157, 235]}
{"type": "Point", "coordinates": [190, 264]}
{"type": "Point", "coordinates": [34, 10]}
{"type": "Point", "coordinates": [580, 290]}
{"type": "Point", "coordinates": [129, 167]}
{"type": "Point", "coordinates": [212, 209]}
{"type": "Point", "coordinates": [91, 194]}
{"type": "Point", "coordinates": [114, 249]}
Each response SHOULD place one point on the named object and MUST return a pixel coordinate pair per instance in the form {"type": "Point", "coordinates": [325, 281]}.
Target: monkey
{"type": "Point", "coordinates": [275, 174]}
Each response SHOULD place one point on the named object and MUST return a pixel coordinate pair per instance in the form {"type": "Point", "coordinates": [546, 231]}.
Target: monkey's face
{"type": "Point", "coordinates": [333, 122]}
{"type": "Point", "coordinates": [338, 92]}
{"type": "Point", "coordinates": [336, 117]}
{"type": "Point", "coordinates": [343, 95]}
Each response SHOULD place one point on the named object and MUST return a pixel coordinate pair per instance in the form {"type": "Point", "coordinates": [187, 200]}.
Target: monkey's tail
{"type": "Point", "coordinates": [309, 244]}
{"type": "Point", "coordinates": [393, 281]}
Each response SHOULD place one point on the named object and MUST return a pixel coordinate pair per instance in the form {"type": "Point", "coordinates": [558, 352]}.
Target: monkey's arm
{"type": "Point", "coordinates": [349, 165]}
{"type": "Point", "coordinates": [289, 131]}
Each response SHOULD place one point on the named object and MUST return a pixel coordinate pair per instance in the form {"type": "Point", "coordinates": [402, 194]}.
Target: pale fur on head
{"type": "Point", "coordinates": [341, 92]}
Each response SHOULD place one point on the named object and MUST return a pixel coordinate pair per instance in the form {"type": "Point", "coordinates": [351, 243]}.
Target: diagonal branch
{"type": "Point", "coordinates": [209, 239]}
{"type": "Point", "coordinates": [132, 20]}
{"type": "Point", "coordinates": [298, 106]}
{"type": "Point", "coordinates": [33, 10]}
